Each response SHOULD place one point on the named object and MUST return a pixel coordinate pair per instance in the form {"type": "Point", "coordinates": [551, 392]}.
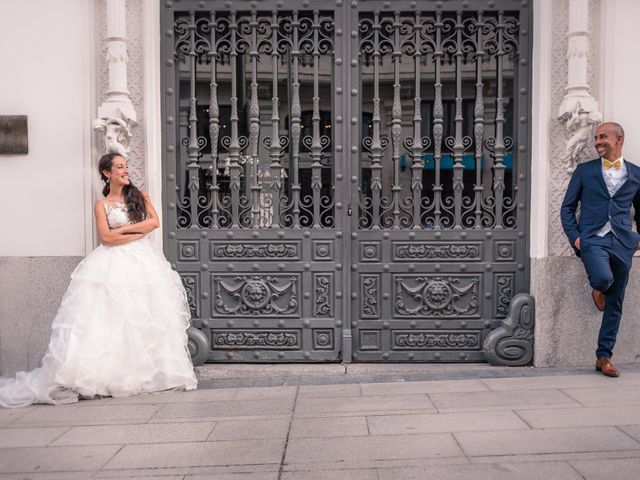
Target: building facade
{"type": "Point", "coordinates": [338, 181]}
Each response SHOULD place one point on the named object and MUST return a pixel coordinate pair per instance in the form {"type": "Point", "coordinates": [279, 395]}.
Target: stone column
{"type": "Point", "coordinates": [116, 115]}
{"type": "Point", "coordinates": [579, 109]}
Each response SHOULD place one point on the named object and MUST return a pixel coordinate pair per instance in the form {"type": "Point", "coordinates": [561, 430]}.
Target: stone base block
{"type": "Point", "coordinates": [567, 321]}
{"type": "Point", "coordinates": [31, 289]}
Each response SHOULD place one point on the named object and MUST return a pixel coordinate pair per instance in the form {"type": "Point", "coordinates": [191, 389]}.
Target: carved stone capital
{"type": "Point", "coordinates": [579, 109]}
{"type": "Point", "coordinates": [117, 133]}
{"type": "Point", "coordinates": [579, 125]}
{"type": "Point", "coordinates": [116, 115]}
{"type": "Point", "coordinates": [511, 344]}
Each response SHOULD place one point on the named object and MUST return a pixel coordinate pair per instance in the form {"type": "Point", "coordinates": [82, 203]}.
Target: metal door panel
{"type": "Point", "coordinates": [393, 137]}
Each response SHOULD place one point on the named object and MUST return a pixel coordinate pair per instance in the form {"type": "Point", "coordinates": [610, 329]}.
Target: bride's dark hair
{"type": "Point", "coordinates": [132, 194]}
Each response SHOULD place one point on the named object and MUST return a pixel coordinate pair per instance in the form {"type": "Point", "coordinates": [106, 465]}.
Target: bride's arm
{"type": "Point", "coordinates": [107, 236]}
{"type": "Point", "coordinates": [145, 226]}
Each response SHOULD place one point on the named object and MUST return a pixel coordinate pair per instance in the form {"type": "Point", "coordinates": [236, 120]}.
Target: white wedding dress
{"type": "Point", "coordinates": [120, 330]}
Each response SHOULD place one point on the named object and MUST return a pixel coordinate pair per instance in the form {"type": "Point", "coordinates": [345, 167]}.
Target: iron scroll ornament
{"type": "Point", "coordinates": [199, 346]}
{"type": "Point", "coordinates": [511, 344]}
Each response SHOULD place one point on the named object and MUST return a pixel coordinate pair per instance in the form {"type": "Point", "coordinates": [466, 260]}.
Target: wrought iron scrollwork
{"type": "Point", "coordinates": [370, 296]}
{"type": "Point", "coordinates": [435, 340]}
{"type": "Point", "coordinates": [433, 251]}
{"type": "Point", "coordinates": [255, 250]}
{"type": "Point", "coordinates": [237, 171]}
{"type": "Point", "coordinates": [252, 339]}
{"type": "Point", "coordinates": [323, 304]}
{"type": "Point", "coordinates": [473, 138]}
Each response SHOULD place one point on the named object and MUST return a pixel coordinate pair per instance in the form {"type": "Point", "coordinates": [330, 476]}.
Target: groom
{"type": "Point", "coordinates": [605, 188]}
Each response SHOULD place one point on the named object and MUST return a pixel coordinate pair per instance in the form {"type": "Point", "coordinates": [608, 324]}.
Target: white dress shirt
{"type": "Point", "coordinates": [614, 179]}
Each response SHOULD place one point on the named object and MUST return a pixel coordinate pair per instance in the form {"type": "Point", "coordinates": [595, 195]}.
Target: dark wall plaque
{"type": "Point", "coordinates": [13, 134]}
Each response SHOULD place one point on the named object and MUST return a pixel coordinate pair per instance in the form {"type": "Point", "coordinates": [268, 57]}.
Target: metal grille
{"type": "Point", "coordinates": [390, 137]}
{"type": "Point", "coordinates": [242, 53]}
{"type": "Point", "coordinates": [413, 59]}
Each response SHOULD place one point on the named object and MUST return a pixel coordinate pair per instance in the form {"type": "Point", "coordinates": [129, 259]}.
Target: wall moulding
{"type": "Point", "coordinates": [570, 130]}
{"type": "Point", "coordinates": [121, 82]}
{"type": "Point", "coordinates": [579, 109]}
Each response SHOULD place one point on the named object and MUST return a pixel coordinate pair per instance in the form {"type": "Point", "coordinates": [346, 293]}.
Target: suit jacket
{"type": "Point", "coordinates": [587, 187]}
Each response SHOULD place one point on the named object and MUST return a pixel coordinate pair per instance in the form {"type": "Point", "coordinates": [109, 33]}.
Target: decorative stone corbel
{"type": "Point", "coordinates": [579, 127]}
{"type": "Point", "coordinates": [116, 115]}
{"type": "Point", "coordinates": [511, 343]}
{"type": "Point", "coordinates": [579, 109]}
{"type": "Point", "coordinates": [117, 134]}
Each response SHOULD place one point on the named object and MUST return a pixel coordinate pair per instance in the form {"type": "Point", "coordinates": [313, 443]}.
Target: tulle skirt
{"type": "Point", "coordinates": [120, 330]}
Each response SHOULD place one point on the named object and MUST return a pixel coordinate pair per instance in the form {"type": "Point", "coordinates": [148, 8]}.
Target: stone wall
{"type": "Point", "coordinates": [567, 320]}
{"type": "Point", "coordinates": [30, 292]}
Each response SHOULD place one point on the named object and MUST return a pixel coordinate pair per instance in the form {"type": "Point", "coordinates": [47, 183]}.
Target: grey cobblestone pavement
{"type": "Point", "coordinates": [351, 422]}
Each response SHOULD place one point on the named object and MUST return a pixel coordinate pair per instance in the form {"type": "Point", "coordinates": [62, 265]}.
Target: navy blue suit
{"type": "Point", "coordinates": [607, 259]}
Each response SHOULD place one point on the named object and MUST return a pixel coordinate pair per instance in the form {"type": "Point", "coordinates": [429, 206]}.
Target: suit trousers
{"type": "Point", "coordinates": [607, 263]}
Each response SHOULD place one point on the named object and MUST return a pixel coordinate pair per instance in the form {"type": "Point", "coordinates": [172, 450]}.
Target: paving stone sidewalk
{"type": "Point", "coordinates": [351, 422]}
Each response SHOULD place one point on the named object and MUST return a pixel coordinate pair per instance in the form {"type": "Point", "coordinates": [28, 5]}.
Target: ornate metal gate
{"type": "Point", "coordinates": [349, 179]}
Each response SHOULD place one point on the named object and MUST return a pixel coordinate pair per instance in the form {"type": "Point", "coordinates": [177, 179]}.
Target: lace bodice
{"type": "Point", "coordinates": [117, 215]}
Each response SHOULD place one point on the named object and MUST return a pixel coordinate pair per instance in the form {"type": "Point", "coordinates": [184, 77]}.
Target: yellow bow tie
{"type": "Point", "coordinates": [607, 164]}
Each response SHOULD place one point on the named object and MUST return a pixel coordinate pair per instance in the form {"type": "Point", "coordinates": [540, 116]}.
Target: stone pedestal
{"type": "Point", "coordinates": [567, 322]}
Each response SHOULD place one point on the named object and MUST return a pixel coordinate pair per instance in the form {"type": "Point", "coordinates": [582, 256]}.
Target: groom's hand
{"type": "Point", "coordinates": [577, 244]}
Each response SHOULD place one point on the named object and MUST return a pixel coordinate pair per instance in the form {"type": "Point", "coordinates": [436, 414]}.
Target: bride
{"type": "Point", "coordinates": [121, 327]}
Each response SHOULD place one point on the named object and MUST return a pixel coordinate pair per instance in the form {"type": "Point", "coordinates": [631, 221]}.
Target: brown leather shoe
{"type": "Point", "coordinates": [598, 299]}
{"type": "Point", "coordinates": [604, 365]}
